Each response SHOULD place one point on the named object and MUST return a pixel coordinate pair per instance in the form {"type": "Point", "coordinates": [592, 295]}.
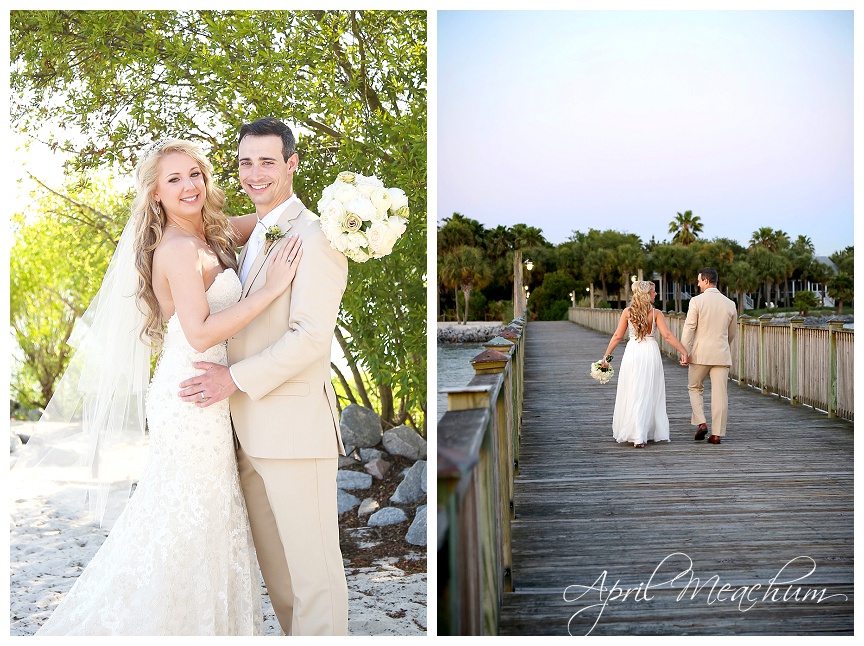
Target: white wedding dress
{"type": "Point", "coordinates": [180, 558]}
{"type": "Point", "coordinates": [640, 402]}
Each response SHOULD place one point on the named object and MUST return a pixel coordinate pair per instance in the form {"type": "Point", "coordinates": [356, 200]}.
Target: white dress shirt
{"type": "Point", "coordinates": [254, 245]}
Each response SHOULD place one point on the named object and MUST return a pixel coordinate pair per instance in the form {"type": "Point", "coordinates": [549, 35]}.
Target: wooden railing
{"type": "Point", "coordinates": [478, 456]}
{"type": "Point", "coordinates": [807, 365]}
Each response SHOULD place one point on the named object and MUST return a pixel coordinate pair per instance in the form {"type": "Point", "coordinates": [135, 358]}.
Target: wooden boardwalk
{"type": "Point", "coordinates": [777, 491]}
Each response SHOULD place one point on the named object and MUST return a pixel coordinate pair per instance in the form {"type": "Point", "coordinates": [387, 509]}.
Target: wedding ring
{"type": "Point", "coordinates": [202, 395]}
{"type": "Point", "coordinates": [288, 261]}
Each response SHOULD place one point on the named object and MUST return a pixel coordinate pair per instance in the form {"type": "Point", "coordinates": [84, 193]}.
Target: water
{"type": "Point", "coordinates": [454, 368]}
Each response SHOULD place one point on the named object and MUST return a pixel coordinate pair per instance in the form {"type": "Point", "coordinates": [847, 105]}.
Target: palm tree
{"type": "Point", "coordinates": [628, 258]}
{"type": "Point", "coordinates": [686, 228]}
{"type": "Point", "coordinates": [468, 268]}
{"type": "Point", "coordinates": [663, 263]}
{"type": "Point", "coordinates": [525, 236]}
{"type": "Point", "coordinates": [842, 288]}
{"type": "Point", "coordinates": [741, 278]}
{"type": "Point", "coordinates": [683, 267]}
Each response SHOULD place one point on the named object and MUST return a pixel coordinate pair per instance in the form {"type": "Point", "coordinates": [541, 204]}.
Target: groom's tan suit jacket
{"type": "Point", "coordinates": [282, 358]}
{"type": "Point", "coordinates": [711, 325]}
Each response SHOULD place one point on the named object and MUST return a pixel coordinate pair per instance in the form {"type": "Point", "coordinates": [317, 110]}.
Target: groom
{"type": "Point", "coordinates": [710, 327]}
{"type": "Point", "coordinates": [283, 406]}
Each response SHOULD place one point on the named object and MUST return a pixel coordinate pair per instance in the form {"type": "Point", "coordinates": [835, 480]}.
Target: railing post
{"type": "Point", "coordinates": [795, 324]}
{"type": "Point", "coordinates": [743, 320]}
{"type": "Point", "coordinates": [833, 327]}
{"type": "Point", "coordinates": [763, 373]}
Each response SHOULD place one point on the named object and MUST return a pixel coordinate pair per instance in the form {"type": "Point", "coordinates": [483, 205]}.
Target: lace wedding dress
{"type": "Point", "coordinates": [640, 402]}
{"type": "Point", "coordinates": [180, 559]}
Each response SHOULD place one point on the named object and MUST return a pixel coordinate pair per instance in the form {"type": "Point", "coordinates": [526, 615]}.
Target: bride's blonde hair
{"type": "Point", "coordinates": [151, 220]}
{"type": "Point", "coordinates": [640, 308]}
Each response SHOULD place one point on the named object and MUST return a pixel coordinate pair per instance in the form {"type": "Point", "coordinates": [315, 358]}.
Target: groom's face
{"type": "Point", "coordinates": [265, 176]}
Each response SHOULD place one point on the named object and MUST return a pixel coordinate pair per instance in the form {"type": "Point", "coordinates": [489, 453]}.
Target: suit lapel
{"type": "Point", "coordinates": [284, 223]}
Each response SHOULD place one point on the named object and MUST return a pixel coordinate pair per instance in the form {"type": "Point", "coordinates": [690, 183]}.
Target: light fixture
{"type": "Point", "coordinates": [529, 265]}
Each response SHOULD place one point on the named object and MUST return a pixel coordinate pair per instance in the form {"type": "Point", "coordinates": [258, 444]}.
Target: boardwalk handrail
{"type": "Point", "coordinates": [478, 455]}
{"type": "Point", "coordinates": [807, 365]}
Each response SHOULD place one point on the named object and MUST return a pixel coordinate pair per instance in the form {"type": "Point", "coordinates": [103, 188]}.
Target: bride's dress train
{"type": "Point", "coordinates": [640, 402]}
{"type": "Point", "coordinates": [180, 559]}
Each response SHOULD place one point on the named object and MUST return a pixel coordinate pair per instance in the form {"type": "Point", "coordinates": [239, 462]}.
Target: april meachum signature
{"type": "Point", "coordinates": [743, 594]}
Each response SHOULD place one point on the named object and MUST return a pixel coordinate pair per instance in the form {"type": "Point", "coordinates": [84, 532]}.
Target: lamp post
{"type": "Point", "coordinates": [520, 290]}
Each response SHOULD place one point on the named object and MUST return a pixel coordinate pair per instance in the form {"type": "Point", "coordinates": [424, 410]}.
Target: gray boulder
{"type": "Point", "coordinates": [368, 455]}
{"type": "Point", "coordinates": [368, 506]}
{"type": "Point", "coordinates": [360, 427]}
{"type": "Point", "coordinates": [353, 480]}
{"type": "Point", "coordinates": [387, 516]}
{"type": "Point", "coordinates": [405, 441]}
{"type": "Point", "coordinates": [413, 487]}
{"type": "Point", "coordinates": [417, 532]}
{"type": "Point", "coordinates": [347, 461]}
{"type": "Point", "coordinates": [378, 468]}
{"type": "Point", "coordinates": [345, 501]}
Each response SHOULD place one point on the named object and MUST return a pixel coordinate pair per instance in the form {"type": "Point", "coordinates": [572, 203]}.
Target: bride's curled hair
{"type": "Point", "coordinates": [640, 308]}
{"type": "Point", "coordinates": [150, 221]}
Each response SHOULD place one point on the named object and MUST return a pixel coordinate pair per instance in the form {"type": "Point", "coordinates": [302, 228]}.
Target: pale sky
{"type": "Point", "coordinates": [570, 120]}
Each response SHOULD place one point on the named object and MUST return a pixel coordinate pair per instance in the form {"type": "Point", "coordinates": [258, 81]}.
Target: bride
{"type": "Point", "coordinates": [640, 402]}
{"type": "Point", "coordinates": [179, 559]}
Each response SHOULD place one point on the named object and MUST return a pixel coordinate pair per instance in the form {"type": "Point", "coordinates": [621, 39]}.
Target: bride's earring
{"type": "Point", "coordinates": [157, 209]}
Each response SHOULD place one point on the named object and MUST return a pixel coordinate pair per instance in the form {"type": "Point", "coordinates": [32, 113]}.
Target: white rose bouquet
{"type": "Point", "coordinates": [360, 217]}
{"type": "Point", "coordinates": [600, 372]}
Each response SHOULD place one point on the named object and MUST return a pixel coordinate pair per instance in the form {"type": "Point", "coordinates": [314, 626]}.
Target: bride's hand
{"type": "Point", "coordinates": [283, 265]}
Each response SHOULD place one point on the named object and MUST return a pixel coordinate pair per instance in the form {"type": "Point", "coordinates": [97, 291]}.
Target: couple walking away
{"type": "Point", "coordinates": [243, 454]}
{"type": "Point", "coordinates": [640, 402]}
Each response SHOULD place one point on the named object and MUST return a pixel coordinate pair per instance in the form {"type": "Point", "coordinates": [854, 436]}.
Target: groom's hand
{"type": "Point", "coordinates": [213, 385]}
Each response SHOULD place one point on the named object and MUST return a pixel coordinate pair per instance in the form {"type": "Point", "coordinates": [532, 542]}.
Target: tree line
{"type": "Point", "coordinates": [475, 268]}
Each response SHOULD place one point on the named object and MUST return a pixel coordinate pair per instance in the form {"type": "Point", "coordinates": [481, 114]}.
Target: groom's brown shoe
{"type": "Point", "coordinates": [701, 432]}
{"type": "Point", "coordinates": [714, 439]}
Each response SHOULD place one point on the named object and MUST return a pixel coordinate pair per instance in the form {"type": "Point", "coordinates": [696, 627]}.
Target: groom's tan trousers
{"type": "Point", "coordinates": [719, 399]}
{"type": "Point", "coordinates": [293, 513]}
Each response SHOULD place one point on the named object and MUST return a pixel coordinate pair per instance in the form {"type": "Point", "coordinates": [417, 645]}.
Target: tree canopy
{"type": "Point", "coordinates": [100, 85]}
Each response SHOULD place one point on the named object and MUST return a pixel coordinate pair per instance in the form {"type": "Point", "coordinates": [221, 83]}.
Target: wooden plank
{"type": "Point", "coordinates": [778, 489]}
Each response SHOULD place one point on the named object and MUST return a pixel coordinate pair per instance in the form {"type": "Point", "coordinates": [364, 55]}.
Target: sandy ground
{"type": "Point", "coordinates": [50, 546]}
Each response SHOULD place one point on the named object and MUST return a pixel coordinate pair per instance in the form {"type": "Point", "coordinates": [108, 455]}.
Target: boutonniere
{"type": "Point", "coordinates": [271, 235]}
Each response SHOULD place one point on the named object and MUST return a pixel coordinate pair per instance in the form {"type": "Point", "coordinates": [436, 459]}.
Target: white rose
{"type": "Point", "coordinates": [347, 177]}
{"type": "Point", "coordinates": [356, 239]}
{"type": "Point", "coordinates": [341, 242]}
{"type": "Point", "coordinates": [361, 207]}
{"type": "Point", "coordinates": [322, 203]}
{"type": "Point", "coordinates": [334, 211]}
{"type": "Point", "coordinates": [369, 181]}
{"type": "Point", "coordinates": [357, 255]}
{"type": "Point", "coordinates": [366, 189]}
{"type": "Point", "coordinates": [398, 199]}
{"type": "Point", "coordinates": [381, 199]}
{"type": "Point", "coordinates": [345, 193]}
{"type": "Point", "coordinates": [396, 224]}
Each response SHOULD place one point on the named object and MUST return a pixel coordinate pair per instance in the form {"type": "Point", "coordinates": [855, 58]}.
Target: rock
{"type": "Point", "coordinates": [387, 516]}
{"type": "Point", "coordinates": [351, 480]}
{"type": "Point", "coordinates": [371, 454]}
{"type": "Point", "coordinates": [405, 441]}
{"type": "Point", "coordinates": [378, 468]}
{"type": "Point", "coordinates": [345, 501]}
{"type": "Point", "coordinates": [460, 334]}
{"type": "Point", "coordinates": [360, 427]}
{"type": "Point", "coordinates": [417, 532]}
{"type": "Point", "coordinates": [413, 487]}
{"type": "Point", "coordinates": [367, 507]}
{"type": "Point", "coordinates": [347, 461]}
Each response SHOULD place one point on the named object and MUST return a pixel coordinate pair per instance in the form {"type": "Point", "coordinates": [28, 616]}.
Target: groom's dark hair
{"type": "Point", "coordinates": [710, 275]}
{"type": "Point", "coordinates": [270, 126]}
